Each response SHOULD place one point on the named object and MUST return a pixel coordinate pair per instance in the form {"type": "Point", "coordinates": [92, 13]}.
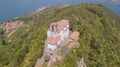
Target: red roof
{"type": "Point", "coordinates": [62, 24]}
{"type": "Point", "coordinates": [53, 40]}
{"type": "Point", "coordinates": [75, 36]}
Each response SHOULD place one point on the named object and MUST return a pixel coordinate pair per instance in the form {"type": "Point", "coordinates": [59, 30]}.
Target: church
{"type": "Point", "coordinates": [57, 33]}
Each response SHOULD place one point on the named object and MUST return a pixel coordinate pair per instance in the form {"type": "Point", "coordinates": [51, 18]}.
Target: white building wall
{"type": "Point", "coordinates": [67, 33]}
{"type": "Point", "coordinates": [48, 34]}
{"type": "Point", "coordinates": [52, 47]}
{"type": "Point", "coordinates": [58, 43]}
{"type": "Point", "coordinates": [61, 34]}
{"type": "Point", "coordinates": [54, 34]}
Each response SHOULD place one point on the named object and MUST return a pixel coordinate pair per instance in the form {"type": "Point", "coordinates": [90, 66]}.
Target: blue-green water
{"type": "Point", "coordinates": [12, 8]}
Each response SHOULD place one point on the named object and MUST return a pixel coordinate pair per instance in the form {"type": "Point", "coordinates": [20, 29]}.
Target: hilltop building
{"type": "Point", "coordinates": [58, 35]}
{"type": "Point", "coordinates": [58, 32]}
{"type": "Point", "coordinates": [57, 42]}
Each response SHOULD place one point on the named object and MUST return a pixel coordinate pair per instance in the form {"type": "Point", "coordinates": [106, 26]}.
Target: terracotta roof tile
{"type": "Point", "coordinates": [61, 24]}
{"type": "Point", "coordinates": [75, 36]}
{"type": "Point", "coordinates": [53, 40]}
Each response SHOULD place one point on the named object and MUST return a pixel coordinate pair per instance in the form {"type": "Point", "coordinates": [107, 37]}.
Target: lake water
{"type": "Point", "coordinates": [12, 8]}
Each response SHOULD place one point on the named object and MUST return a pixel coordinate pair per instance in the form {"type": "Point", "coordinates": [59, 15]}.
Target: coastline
{"type": "Point", "coordinates": [40, 9]}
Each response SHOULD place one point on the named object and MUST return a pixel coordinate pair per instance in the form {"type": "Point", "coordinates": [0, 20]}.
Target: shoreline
{"type": "Point", "coordinates": [40, 9]}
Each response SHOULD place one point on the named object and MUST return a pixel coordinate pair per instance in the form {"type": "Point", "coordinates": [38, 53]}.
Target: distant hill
{"type": "Point", "coordinates": [99, 40]}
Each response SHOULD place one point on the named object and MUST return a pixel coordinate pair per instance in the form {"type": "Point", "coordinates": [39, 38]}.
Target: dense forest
{"type": "Point", "coordinates": [99, 37]}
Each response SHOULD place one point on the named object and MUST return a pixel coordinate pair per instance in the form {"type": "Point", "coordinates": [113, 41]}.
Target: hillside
{"type": "Point", "coordinates": [99, 37]}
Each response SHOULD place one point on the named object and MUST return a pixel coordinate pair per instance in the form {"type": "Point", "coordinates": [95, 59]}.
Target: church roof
{"type": "Point", "coordinates": [53, 40]}
{"type": "Point", "coordinates": [62, 24]}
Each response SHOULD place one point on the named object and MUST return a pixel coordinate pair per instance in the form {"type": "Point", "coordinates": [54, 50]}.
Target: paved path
{"type": "Point", "coordinates": [11, 33]}
{"type": "Point", "coordinates": [39, 62]}
{"type": "Point", "coordinates": [49, 63]}
{"type": "Point", "coordinates": [81, 63]}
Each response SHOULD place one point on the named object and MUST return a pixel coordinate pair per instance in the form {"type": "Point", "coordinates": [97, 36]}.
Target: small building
{"type": "Point", "coordinates": [75, 36]}
{"type": "Point", "coordinates": [9, 26]}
